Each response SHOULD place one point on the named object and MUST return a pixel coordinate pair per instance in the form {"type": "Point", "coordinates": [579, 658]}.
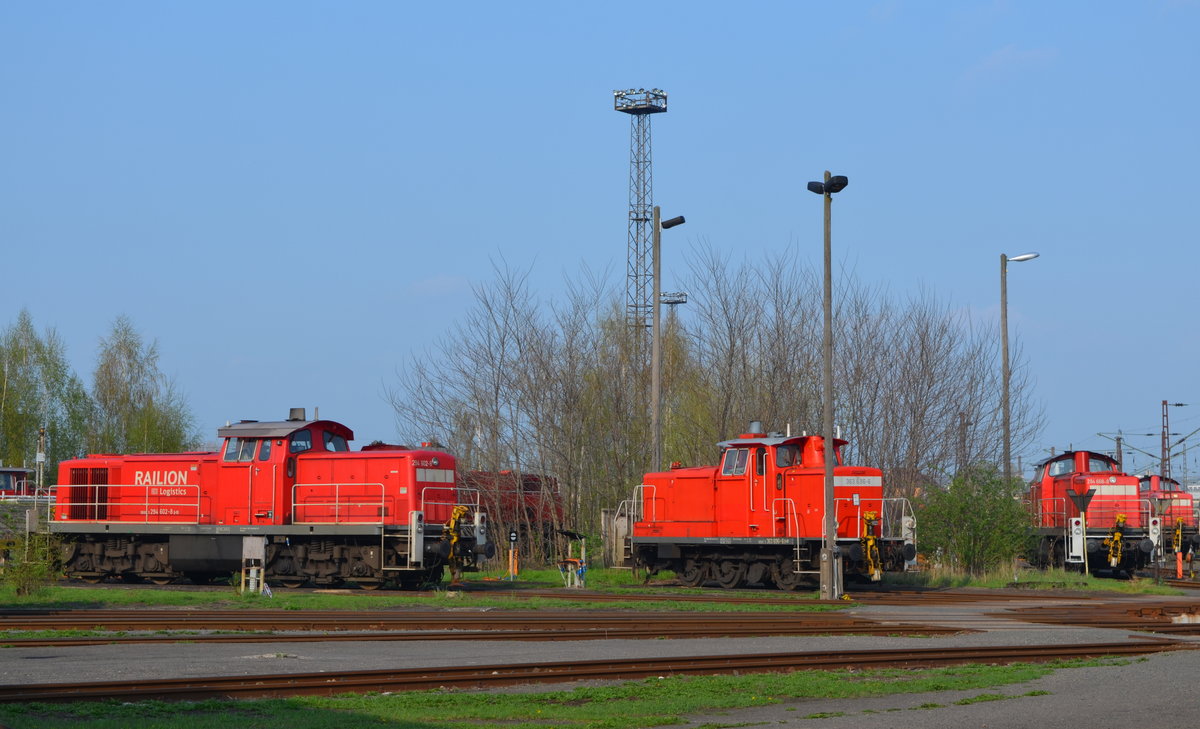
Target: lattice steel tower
{"type": "Point", "coordinates": [639, 104]}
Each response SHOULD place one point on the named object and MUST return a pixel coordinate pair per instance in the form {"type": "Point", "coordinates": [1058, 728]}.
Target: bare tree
{"type": "Point", "coordinates": [560, 389]}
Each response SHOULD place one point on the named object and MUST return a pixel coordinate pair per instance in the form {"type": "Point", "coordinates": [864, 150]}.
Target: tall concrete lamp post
{"type": "Point", "coordinates": [831, 576]}
{"type": "Point", "coordinates": [1005, 374]}
{"type": "Point", "coordinates": [655, 335]}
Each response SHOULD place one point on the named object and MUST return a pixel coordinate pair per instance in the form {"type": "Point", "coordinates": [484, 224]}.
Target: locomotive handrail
{"type": "Point", "coordinates": [455, 491]}
{"type": "Point", "coordinates": [639, 496]}
{"type": "Point", "coordinates": [338, 504]}
{"type": "Point", "coordinates": [893, 525]}
{"type": "Point", "coordinates": [791, 518]}
{"type": "Point", "coordinates": [789, 509]}
{"type": "Point", "coordinates": [838, 522]}
{"type": "Point", "coordinates": [626, 507]}
{"type": "Point", "coordinates": [116, 508]}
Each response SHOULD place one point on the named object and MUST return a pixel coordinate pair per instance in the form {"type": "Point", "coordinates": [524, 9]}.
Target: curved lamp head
{"type": "Point", "coordinates": [678, 220]}
{"type": "Point", "coordinates": [1024, 257]}
{"type": "Point", "coordinates": [837, 183]}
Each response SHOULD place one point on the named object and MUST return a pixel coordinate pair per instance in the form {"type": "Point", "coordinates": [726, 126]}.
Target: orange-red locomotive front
{"type": "Point", "coordinates": [1176, 506]}
{"type": "Point", "coordinates": [1088, 513]}
{"type": "Point", "coordinates": [758, 516]}
{"type": "Point", "coordinates": [323, 513]}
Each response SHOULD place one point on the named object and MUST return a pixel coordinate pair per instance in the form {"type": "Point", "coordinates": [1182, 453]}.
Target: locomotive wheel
{"type": "Point", "coordinates": [160, 581]}
{"type": "Point", "coordinates": [730, 573]}
{"type": "Point", "coordinates": [369, 584]}
{"type": "Point", "coordinates": [692, 574]}
{"type": "Point", "coordinates": [292, 583]}
{"type": "Point", "coordinates": [92, 579]}
{"type": "Point", "coordinates": [785, 576]}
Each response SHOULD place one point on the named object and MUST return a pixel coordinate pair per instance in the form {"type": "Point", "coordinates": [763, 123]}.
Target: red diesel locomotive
{"type": "Point", "coordinates": [1117, 528]}
{"type": "Point", "coordinates": [319, 512]}
{"type": "Point", "coordinates": [1176, 506]}
{"type": "Point", "coordinates": [758, 517]}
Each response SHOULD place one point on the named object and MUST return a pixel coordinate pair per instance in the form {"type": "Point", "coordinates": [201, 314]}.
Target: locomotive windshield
{"type": "Point", "coordinates": [735, 461]}
{"type": "Point", "coordinates": [335, 442]}
{"type": "Point", "coordinates": [240, 450]}
{"type": "Point", "coordinates": [1100, 464]}
{"type": "Point", "coordinates": [300, 441]}
{"type": "Point", "coordinates": [1060, 468]}
{"type": "Point", "coordinates": [786, 456]}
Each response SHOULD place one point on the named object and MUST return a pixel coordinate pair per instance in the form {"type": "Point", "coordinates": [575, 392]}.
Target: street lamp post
{"type": "Point", "coordinates": [655, 334]}
{"type": "Point", "coordinates": [831, 576]}
{"type": "Point", "coordinates": [1005, 374]}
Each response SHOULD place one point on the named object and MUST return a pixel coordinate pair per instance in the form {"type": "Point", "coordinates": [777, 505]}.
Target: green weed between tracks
{"type": "Point", "coordinates": [647, 703]}
{"type": "Point", "coordinates": [480, 592]}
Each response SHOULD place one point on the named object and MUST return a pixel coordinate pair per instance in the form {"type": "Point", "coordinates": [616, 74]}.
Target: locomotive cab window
{"type": "Point", "coordinates": [300, 441]}
{"type": "Point", "coordinates": [335, 442]}
{"type": "Point", "coordinates": [1099, 464]}
{"type": "Point", "coordinates": [1060, 468]}
{"type": "Point", "coordinates": [760, 461]}
{"type": "Point", "coordinates": [735, 461]}
{"type": "Point", "coordinates": [264, 450]}
{"type": "Point", "coordinates": [786, 456]}
{"type": "Point", "coordinates": [240, 450]}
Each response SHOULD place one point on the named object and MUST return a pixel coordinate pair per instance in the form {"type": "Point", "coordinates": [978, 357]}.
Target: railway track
{"type": "Point", "coordinates": [483, 677]}
{"type": "Point", "coordinates": [869, 596]}
{"type": "Point", "coordinates": [1174, 618]}
{"type": "Point", "coordinates": [410, 626]}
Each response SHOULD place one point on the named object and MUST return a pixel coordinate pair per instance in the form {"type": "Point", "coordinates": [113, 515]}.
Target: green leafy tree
{"type": "Point", "coordinates": [137, 408]}
{"type": "Point", "coordinates": [977, 524]}
{"type": "Point", "coordinates": [38, 389]}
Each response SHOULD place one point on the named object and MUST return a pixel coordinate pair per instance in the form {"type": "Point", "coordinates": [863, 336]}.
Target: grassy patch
{"type": "Point", "coordinates": [648, 703]}
{"type": "Point", "coordinates": [982, 698]}
{"type": "Point", "coordinates": [480, 592]}
{"type": "Point", "coordinates": [1031, 579]}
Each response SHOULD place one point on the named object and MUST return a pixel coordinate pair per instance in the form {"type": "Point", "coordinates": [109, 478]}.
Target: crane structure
{"type": "Point", "coordinates": [640, 105]}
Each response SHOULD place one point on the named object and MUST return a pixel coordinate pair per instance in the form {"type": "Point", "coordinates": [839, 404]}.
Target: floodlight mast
{"type": "Point", "coordinates": [640, 105]}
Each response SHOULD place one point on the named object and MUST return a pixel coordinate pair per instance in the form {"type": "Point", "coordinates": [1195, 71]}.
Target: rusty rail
{"type": "Point", "coordinates": [482, 677]}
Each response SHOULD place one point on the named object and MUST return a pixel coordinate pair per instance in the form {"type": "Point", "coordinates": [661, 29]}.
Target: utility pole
{"type": "Point", "coordinates": [1164, 469]}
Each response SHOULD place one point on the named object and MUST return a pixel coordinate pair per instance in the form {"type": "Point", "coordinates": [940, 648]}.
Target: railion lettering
{"type": "Point", "coordinates": [159, 478]}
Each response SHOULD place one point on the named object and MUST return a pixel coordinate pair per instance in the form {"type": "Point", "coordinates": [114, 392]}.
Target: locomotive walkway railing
{"type": "Point", "coordinates": [449, 497]}
{"type": "Point", "coordinates": [130, 503]}
{"type": "Point", "coordinates": [897, 520]}
{"type": "Point", "coordinates": [1055, 513]}
{"type": "Point", "coordinates": [341, 503]}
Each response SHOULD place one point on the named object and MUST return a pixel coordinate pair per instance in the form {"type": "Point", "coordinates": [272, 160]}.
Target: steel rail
{"type": "Point", "coordinates": [425, 620]}
{"type": "Point", "coordinates": [629, 632]}
{"type": "Point", "coordinates": [478, 677]}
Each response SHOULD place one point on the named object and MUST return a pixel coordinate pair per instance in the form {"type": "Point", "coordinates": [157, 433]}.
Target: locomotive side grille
{"type": "Point", "coordinates": [78, 497]}
{"type": "Point", "coordinates": [88, 493]}
{"type": "Point", "coordinates": [100, 492]}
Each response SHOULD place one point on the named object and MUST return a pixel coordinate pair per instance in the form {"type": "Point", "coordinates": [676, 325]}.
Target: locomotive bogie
{"type": "Point", "coordinates": [290, 561]}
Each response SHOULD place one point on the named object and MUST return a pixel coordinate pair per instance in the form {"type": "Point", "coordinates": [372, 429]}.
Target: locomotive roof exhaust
{"type": "Point", "coordinates": [296, 414]}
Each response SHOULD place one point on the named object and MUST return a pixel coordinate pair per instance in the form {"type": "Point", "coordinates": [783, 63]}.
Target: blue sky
{"type": "Point", "coordinates": [295, 197]}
